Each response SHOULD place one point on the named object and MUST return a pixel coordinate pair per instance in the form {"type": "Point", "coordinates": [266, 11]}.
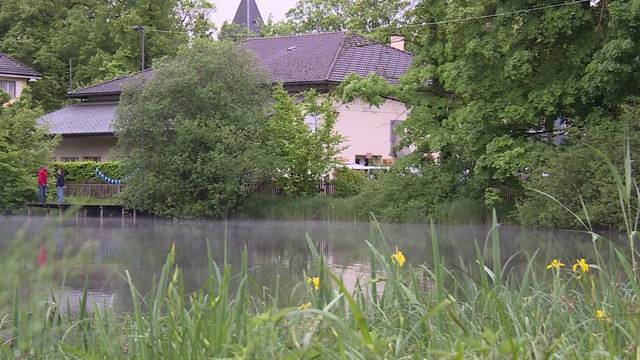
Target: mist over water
{"type": "Point", "coordinates": [86, 253]}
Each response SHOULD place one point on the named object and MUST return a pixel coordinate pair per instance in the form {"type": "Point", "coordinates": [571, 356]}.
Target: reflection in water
{"type": "Point", "coordinates": [69, 299]}
{"type": "Point", "coordinates": [96, 255]}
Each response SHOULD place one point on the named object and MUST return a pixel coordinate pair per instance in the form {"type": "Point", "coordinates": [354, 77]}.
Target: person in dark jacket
{"type": "Point", "coordinates": [60, 185]}
{"type": "Point", "coordinates": [43, 173]}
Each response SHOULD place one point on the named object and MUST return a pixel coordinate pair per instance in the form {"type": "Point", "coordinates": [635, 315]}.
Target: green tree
{"type": "Point", "coordinates": [95, 35]}
{"type": "Point", "coordinates": [235, 32]}
{"type": "Point", "coordinates": [491, 80]}
{"type": "Point", "coordinates": [24, 147]}
{"type": "Point", "coordinates": [190, 136]}
{"type": "Point", "coordinates": [319, 15]}
{"type": "Point", "coordinates": [577, 172]}
{"type": "Point", "coordinates": [377, 18]}
{"type": "Point", "coordinates": [302, 154]}
{"type": "Point", "coordinates": [278, 28]}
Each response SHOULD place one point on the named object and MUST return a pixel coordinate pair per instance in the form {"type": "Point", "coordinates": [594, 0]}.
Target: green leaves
{"type": "Point", "coordinates": [300, 141]}
{"type": "Point", "coordinates": [96, 36]}
{"type": "Point", "coordinates": [374, 89]}
{"type": "Point", "coordinates": [24, 147]}
{"type": "Point", "coordinates": [191, 135]}
{"type": "Point", "coordinates": [377, 18]}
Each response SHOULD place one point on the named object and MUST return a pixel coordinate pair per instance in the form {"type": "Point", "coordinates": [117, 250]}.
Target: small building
{"type": "Point", "coordinates": [14, 76]}
{"type": "Point", "coordinates": [299, 62]}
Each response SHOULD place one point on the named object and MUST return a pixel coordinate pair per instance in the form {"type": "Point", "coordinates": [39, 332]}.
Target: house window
{"type": "Point", "coordinates": [69, 159]}
{"type": "Point", "coordinates": [9, 87]}
{"type": "Point", "coordinates": [369, 160]}
{"type": "Point", "coordinates": [92, 158]}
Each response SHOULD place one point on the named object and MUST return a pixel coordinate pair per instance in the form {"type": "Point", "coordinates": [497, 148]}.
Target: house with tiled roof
{"type": "Point", "coordinates": [299, 62]}
{"type": "Point", "coordinates": [14, 76]}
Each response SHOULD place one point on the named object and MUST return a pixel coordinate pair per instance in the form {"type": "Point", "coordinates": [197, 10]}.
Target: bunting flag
{"type": "Point", "coordinates": [107, 179]}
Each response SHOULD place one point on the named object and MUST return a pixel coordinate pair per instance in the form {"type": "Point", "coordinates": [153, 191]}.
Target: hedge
{"type": "Point", "coordinates": [85, 172]}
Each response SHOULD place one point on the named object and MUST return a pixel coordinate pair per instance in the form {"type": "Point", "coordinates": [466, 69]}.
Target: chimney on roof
{"type": "Point", "coordinates": [397, 42]}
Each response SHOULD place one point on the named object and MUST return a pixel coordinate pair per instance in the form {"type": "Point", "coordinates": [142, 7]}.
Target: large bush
{"type": "Point", "coordinates": [190, 135]}
{"type": "Point", "coordinates": [408, 193]}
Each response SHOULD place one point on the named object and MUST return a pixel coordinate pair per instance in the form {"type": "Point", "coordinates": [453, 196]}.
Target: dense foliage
{"type": "Point", "coordinates": [95, 35]}
{"type": "Point", "coordinates": [379, 18]}
{"type": "Point", "coordinates": [83, 172]}
{"type": "Point", "coordinates": [580, 172]}
{"type": "Point", "coordinates": [24, 148]}
{"type": "Point", "coordinates": [300, 140]}
{"type": "Point", "coordinates": [189, 137]}
{"type": "Point", "coordinates": [348, 182]}
{"type": "Point", "coordinates": [501, 89]}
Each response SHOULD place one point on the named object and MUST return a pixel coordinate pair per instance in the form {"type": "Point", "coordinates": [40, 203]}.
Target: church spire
{"type": "Point", "coordinates": [248, 16]}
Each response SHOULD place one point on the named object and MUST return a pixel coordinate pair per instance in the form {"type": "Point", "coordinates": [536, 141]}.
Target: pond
{"type": "Point", "coordinates": [95, 255]}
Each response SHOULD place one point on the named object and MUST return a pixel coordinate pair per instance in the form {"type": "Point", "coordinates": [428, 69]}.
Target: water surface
{"type": "Point", "coordinates": [277, 251]}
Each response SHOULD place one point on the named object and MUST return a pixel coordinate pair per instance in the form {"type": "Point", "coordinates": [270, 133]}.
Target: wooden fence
{"type": "Point", "coordinates": [95, 191]}
{"type": "Point", "coordinates": [270, 189]}
{"type": "Point", "coordinates": [108, 191]}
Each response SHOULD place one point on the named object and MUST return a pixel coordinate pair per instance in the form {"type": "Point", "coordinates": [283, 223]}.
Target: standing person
{"type": "Point", "coordinates": [60, 185]}
{"type": "Point", "coordinates": [43, 173]}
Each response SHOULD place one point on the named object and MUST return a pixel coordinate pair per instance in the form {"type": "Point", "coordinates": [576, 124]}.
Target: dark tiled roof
{"type": "Point", "coordinates": [327, 57]}
{"type": "Point", "coordinates": [304, 59]}
{"type": "Point", "coordinates": [297, 59]}
{"type": "Point", "coordinates": [364, 57]}
{"type": "Point", "coordinates": [111, 87]}
{"type": "Point", "coordinates": [248, 10]}
{"type": "Point", "coordinates": [11, 66]}
{"type": "Point", "coordinates": [81, 119]}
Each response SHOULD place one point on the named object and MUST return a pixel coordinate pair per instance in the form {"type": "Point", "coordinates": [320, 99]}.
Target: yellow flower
{"type": "Point", "coordinates": [398, 258]}
{"type": "Point", "coordinates": [581, 265]}
{"type": "Point", "coordinates": [304, 306]}
{"type": "Point", "coordinates": [314, 281]}
{"type": "Point", "coordinates": [601, 315]}
{"type": "Point", "coordinates": [555, 264]}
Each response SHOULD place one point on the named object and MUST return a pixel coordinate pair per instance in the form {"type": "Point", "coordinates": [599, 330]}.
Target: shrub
{"type": "Point", "coordinates": [576, 173]}
{"type": "Point", "coordinates": [349, 182]}
{"type": "Point", "coordinates": [85, 172]}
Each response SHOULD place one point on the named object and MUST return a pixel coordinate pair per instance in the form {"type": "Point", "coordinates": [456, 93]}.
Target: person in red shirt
{"type": "Point", "coordinates": [43, 173]}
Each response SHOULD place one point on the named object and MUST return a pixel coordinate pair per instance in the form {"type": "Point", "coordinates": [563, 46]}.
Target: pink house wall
{"type": "Point", "coordinates": [367, 129]}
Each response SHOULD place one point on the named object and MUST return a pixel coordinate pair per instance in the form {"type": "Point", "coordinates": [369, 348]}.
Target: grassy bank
{"type": "Point", "coordinates": [359, 208]}
{"type": "Point", "coordinates": [494, 306]}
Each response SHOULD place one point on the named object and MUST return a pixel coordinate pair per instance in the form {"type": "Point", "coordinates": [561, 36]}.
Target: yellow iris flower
{"type": "Point", "coordinates": [601, 315]}
{"type": "Point", "coordinates": [398, 258]}
{"type": "Point", "coordinates": [314, 281]}
{"type": "Point", "coordinates": [581, 265]}
{"type": "Point", "coordinates": [555, 264]}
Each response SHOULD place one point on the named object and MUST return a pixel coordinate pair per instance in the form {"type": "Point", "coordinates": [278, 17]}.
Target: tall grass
{"type": "Point", "coordinates": [490, 307]}
{"type": "Point", "coordinates": [493, 306]}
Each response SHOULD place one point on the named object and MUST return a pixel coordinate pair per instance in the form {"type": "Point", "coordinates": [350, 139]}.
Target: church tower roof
{"type": "Point", "coordinates": [248, 16]}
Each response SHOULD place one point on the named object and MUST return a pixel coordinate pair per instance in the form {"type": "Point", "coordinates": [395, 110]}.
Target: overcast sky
{"type": "Point", "coordinates": [226, 9]}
